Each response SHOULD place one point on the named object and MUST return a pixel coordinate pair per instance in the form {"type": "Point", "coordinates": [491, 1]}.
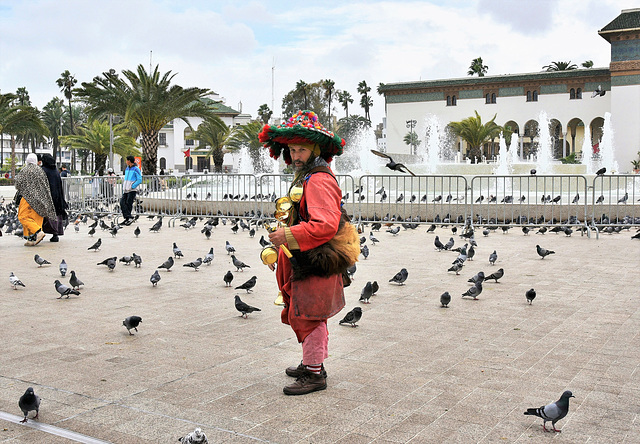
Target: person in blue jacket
{"type": "Point", "coordinates": [132, 178]}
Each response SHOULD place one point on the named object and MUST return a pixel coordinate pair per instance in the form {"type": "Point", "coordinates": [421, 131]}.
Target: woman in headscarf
{"type": "Point", "coordinates": [54, 226]}
{"type": "Point", "coordinates": [35, 200]}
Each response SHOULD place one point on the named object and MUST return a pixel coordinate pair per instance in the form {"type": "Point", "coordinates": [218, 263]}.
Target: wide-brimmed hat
{"type": "Point", "coordinates": [302, 128]}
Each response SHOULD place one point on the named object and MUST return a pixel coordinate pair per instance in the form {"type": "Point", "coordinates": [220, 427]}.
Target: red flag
{"type": "Point", "coordinates": [187, 153]}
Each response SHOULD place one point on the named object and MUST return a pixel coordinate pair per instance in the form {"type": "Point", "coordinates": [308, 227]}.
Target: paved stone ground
{"type": "Point", "coordinates": [411, 372]}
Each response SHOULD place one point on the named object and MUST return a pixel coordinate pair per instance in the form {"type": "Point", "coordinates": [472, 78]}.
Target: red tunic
{"type": "Point", "coordinates": [318, 224]}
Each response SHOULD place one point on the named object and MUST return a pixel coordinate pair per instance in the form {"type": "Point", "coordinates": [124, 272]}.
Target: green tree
{"type": "Point", "coordinates": [411, 139]}
{"type": "Point", "coordinates": [350, 127]}
{"type": "Point", "coordinates": [475, 133]}
{"type": "Point", "coordinates": [52, 116]}
{"type": "Point", "coordinates": [344, 97]}
{"type": "Point", "coordinates": [302, 87]}
{"type": "Point", "coordinates": [264, 113]}
{"type": "Point", "coordinates": [313, 98]}
{"type": "Point", "coordinates": [215, 134]}
{"type": "Point", "coordinates": [477, 67]}
{"type": "Point", "coordinates": [587, 64]}
{"type": "Point", "coordinates": [146, 101]}
{"type": "Point", "coordinates": [94, 137]}
{"type": "Point", "coordinates": [66, 82]}
{"type": "Point", "coordinates": [366, 101]}
{"type": "Point", "coordinates": [560, 66]}
{"type": "Point", "coordinates": [22, 96]}
{"type": "Point", "coordinates": [329, 90]}
{"type": "Point", "coordinates": [247, 136]}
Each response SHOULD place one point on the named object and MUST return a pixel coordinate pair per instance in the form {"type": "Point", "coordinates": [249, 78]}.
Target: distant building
{"type": "Point", "coordinates": [517, 100]}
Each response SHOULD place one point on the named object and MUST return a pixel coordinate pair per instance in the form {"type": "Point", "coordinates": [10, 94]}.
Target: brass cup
{"type": "Point", "coordinates": [295, 194]}
{"type": "Point", "coordinates": [269, 255]}
{"type": "Point", "coordinates": [283, 204]}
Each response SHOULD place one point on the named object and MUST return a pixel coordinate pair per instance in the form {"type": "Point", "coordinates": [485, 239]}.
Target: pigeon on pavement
{"type": "Point", "coordinates": [29, 402]}
{"type": "Point", "coordinates": [194, 264]}
{"type": "Point", "coordinates": [96, 246]}
{"type": "Point", "coordinates": [248, 285]}
{"type": "Point", "coordinates": [109, 262]}
{"type": "Point", "coordinates": [553, 412]}
{"type": "Point", "coordinates": [445, 298]}
{"type": "Point", "coordinates": [137, 260]}
{"type": "Point", "coordinates": [63, 268]}
{"type": "Point", "coordinates": [352, 317]}
{"type": "Point", "coordinates": [366, 293]}
{"type": "Point", "coordinates": [156, 227]}
{"type": "Point", "coordinates": [195, 437]}
{"type": "Point", "coordinates": [40, 261]}
{"type": "Point", "coordinates": [542, 252]}
{"type": "Point", "coordinates": [126, 259]}
{"type": "Point", "coordinates": [456, 267]}
{"type": "Point", "coordinates": [497, 275]}
{"type": "Point", "coordinates": [374, 288]}
{"type": "Point", "coordinates": [474, 291]}
{"type": "Point", "coordinates": [228, 277]}
{"type": "Point", "coordinates": [243, 308]}
{"type": "Point", "coordinates": [240, 266]}
{"type": "Point", "coordinates": [64, 290]}
{"type": "Point", "coordinates": [479, 277]}
{"type": "Point", "coordinates": [208, 258]}
{"type": "Point", "coordinates": [176, 251]}
{"type": "Point", "coordinates": [74, 281]}
{"type": "Point", "coordinates": [137, 231]}
{"type": "Point", "coordinates": [400, 277]}
{"type": "Point", "coordinates": [15, 281]}
{"type": "Point", "coordinates": [167, 264]}
{"type": "Point", "coordinates": [229, 247]}
{"type": "Point", "coordinates": [132, 322]}
{"type": "Point", "coordinates": [530, 295]}
{"type": "Point", "coordinates": [439, 245]}
{"type": "Point", "coordinates": [155, 278]}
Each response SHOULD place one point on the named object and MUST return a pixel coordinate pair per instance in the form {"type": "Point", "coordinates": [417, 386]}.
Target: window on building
{"type": "Point", "coordinates": [493, 98]}
{"type": "Point", "coordinates": [488, 98]}
{"type": "Point", "coordinates": [163, 163]}
{"type": "Point", "coordinates": [448, 100]}
{"type": "Point", "coordinates": [162, 139]}
{"type": "Point", "coordinates": [579, 93]}
{"type": "Point", "coordinates": [528, 96]}
{"type": "Point", "coordinates": [454, 101]}
{"type": "Point", "coordinates": [535, 96]}
{"type": "Point", "coordinates": [572, 94]}
{"type": "Point", "coordinates": [189, 142]}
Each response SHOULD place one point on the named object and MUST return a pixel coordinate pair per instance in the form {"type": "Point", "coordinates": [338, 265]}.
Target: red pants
{"type": "Point", "coordinates": [315, 347]}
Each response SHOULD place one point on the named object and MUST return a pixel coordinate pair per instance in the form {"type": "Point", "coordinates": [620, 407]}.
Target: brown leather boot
{"type": "Point", "coordinates": [306, 383]}
{"type": "Point", "coordinates": [296, 372]}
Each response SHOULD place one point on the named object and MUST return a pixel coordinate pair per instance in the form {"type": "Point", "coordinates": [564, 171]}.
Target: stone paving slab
{"type": "Point", "coordinates": [410, 372]}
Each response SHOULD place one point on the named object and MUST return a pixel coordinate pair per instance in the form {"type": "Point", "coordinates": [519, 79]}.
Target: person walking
{"type": "Point", "coordinates": [54, 226]}
{"type": "Point", "coordinates": [34, 200]}
{"type": "Point", "coordinates": [322, 241]}
{"type": "Point", "coordinates": [132, 178]}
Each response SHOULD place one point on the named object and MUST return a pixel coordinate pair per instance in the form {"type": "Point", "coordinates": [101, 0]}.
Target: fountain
{"type": "Point", "coordinates": [433, 144]}
{"type": "Point", "coordinates": [544, 154]}
{"type": "Point", "coordinates": [607, 158]}
{"type": "Point", "coordinates": [504, 164]}
{"type": "Point", "coordinates": [587, 151]}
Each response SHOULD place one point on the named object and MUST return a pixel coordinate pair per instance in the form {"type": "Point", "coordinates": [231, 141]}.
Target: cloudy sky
{"type": "Point", "coordinates": [230, 46]}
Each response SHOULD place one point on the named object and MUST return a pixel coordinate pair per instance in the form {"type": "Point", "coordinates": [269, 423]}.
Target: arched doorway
{"type": "Point", "coordinates": [529, 141]}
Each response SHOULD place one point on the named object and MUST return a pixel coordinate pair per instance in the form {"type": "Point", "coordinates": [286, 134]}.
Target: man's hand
{"type": "Point", "coordinates": [277, 237]}
{"type": "Point", "coordinates": [272, 267]}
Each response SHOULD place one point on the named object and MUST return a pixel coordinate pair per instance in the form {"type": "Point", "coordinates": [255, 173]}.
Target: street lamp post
{"type": "Point", "coordinates": [411, 124]}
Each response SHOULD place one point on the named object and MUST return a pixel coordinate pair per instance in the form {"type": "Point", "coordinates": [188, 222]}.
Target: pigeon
{"type": "Point", "coordinates": [372, 238]}
{"type": "Point", "coordinates": [553, 412]}
{"type": "Point", "coordinates": [471, 252]}
{"type": "Point", "coordinates": [64, 290]}
{"type": "Point", "coordinates": [391, 164]}
{"type": "Point", "coordinates": [576, 198]}
{"type": "Point", "coordinates": [474, 291]}
{"type": "Point", "coordinates": [14, 281]}
{"type": "Point", "coordinates": [439, 245]}
{"type": "Point", "coordinates": [456, 267]}
{"type": "Point", "coordinates": [374, 288]}
{"type": "Point", "coordinates": [624, 198]}
{"type": "Point", "coordinates": [137, 260]}
{"type": "Point", "coordinates": [598, 92]}
{"type": "Point", "coordinates": [530, 295]}
{"type": "Point", "coordinates": [40, 261]}
{"type": "Point", "coordinates": [126, 260]}
{"type": "Point", "coordinates": [63, 268]}
{"type": "Point", "coordinates": [74, 281]}
{"type": "Point", "coordinates": [525, 230]}
{"type": "Point", "coordinates": [437, 198]}
{"type": "Point", "coordinates": [92, 231]}
{"type": "Point", "coordinates": [229, 248]}
{"type": "Point", "coordinates": [495, 276]}
{"type": "Point", "coordinates": [167, 264]}
{"type": "Point", "coordinates": [493, 257]}
{"type": "Point", "coordinates": [137, 231]}
{"type": "Point", "coordinates": [96, 246]}
{"type": "Point", "coordinates": [601, 171]}
{"type": "Point", "coordinates": [263, 242]}
{"type": "Point", "coordinates": [208, 258]}
{"type": "Point", "coordinates": [109, 262]}
{"type": "Point", "coordinates": [600, 199]}
{"type": "Point", "coordinates": [132, 322]}
{"type": "Point", "coordinates": [480, 199]}
{"type": "Point", "coordinates": [155, 278]}
{"type": "Point", "coordinates": [364, 251]}
{"type": "Point", "coordinates": [195, 437]}
{"type": "Point", "coordinates": [445, 298]}
{"type": "Point", "coordinates": [243, 308]}
{"type": "Point", "coordinates": [228, 277]}
{"type": "Point", "coordinates": [394, 230]}
{"type": "Point", "coordinates": [366, 293]}
{"type": "Point", "coordinates": [352, 317]}
{"type": "Point", "coordinates": [29, 402]}
{"type": "Point", "coordinates": [351, 271]}
{"type": "Point", "coordinates": [432, 228]}
{"type": "Point", "coordinates": [542, 252]}
{"type": "Point", "coordinates": [240, 266]}
{"type": "Point", "coordinates": [400, 277]}
{"type": "Point", "coordinates": [248, 285]}
{"type": "Point", "coordinates": [176, 251]}
{"type": "Point", "coordinates": [194, 264]}
{"type": "Point", "coordinates": [400, 198]}
{"type": "Point", "coordinates": [542, 230]}
{"type": "Point", "coordinates": [449, 244]}
{"type": "Point", "coordinates": [156, 227]}
{"type": "Point", "coordinates": [533, 172]}
{"type": "Point", "coordinates": [479, 277]}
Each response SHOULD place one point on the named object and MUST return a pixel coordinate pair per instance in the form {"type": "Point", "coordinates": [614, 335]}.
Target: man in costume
{"type": "Point", "coordinates": [322, 242]}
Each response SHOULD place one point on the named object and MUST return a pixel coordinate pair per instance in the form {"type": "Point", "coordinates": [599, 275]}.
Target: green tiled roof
{"type": "Point", "coordinates": [220, 108]}
{"type": "Point", "coordinates": [628, 19]}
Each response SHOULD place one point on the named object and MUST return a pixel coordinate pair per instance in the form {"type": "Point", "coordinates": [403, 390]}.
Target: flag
{"type": "Point", "coordinates": [187, 153]}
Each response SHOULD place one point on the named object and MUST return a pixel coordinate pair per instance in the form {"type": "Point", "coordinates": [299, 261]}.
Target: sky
{"type": "Point", "coordinates": [231, 47]}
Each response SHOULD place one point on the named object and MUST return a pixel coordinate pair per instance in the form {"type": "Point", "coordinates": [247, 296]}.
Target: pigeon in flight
{"type": "Point", "coordinates": [445, 298]}
{"type": "Point", "coordinates": [553, 412]}
{"type": "Point", "coordinates": [228, 277]}
{"type": "Point", "coordinates": [132, 322]}
{"type": "Point", "coordinates": [543, 252]}
{"type": "Point", "coordinates": [63, 268]}
{"type": "Point", "coordinates": [40, 261]}
{"type": "Point", "coordinates": [109, 262]}
{"type": "Point", "coordinates": [243, 308]}
{"type": "Point", "coordinates": [474, 291]}
{"type": "Point", "coordinates": [352, 317]}
{"type": "Point", "coordinates": [155, 278]}
{"type": "Point", "coordinates": [598, 92]}
{"type": "Point", "coordinates": [366, 293]}
{"type": "Point", "coordinates": [74, 281]}
{"type": "Point", "coordinates": [400, 277]}
{"type": "Point", "coordinates": [248, 285]}
{"type": "Point", "coordinates": [240, 266]}
{"type": "Point", "coordinates": [391, 164]}
{"type": "Point", "coordinates": [530, 295]}
{"type": "Point", "coordinates": [167, 264]}
{"type": "Point", "coordinates": [29, 402]}
{"type": "Point", "coordinates": [64, 290]}
{"type": "Point", "coordinates": [194, 264]}
{"type": "Point", "coordinates": [496, 275]}
{"type": "Point", "coordinates": [14, 281]}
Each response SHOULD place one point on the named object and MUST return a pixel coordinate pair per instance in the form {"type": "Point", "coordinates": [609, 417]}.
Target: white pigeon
{"type": "Point", "coordinates": [13, 279]}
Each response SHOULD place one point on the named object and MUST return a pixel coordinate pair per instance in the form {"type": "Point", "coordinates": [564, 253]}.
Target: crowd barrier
{"type": "Point", "coordinates": [517, 200]}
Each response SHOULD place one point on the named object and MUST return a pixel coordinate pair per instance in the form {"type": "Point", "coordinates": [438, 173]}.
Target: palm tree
{"type": "Point", "coordinates": [247, 136]}
{"type": "Point", "coordinates": [472, 131]}
{"type": "Point", "coordinates": [265, 113]}
{"type": "Point", "coordinates": [66, 82]}
{"type": "Point", "coordinates": [349, 127]}
{"type": "Point", "coordinates": [560, 66]}
{"type": "Point", "coordinates": [94, 137]}
{"type": "Point", "coordinates": [22, 96]}
{"type": "Point", "coordinates": [587, 64]}
{"type": "Point", "coordinates": [411, 139]}
{"type": "Point", "coordinates": [329, 89]}
{"type": "Point", "coordinates": [301, 85]}
{"type": "Point", "coordinates": [344, 97]}
{"type": "Point", "coordinates": [214, 133]}
{"type": "Point", "coordinates": [477, 67]}
{"type": "Point", "coordinates": [147, 101]}
{"type": "Point", "coordinates": [366, 102]}
{"type": "Point", "coordinates": [52, 116]}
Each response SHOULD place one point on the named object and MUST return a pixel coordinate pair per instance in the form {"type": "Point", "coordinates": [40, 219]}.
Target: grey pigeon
{"type": "Point", "coordinates": [495, 276]}
{"type": "Point", "coordinates": [445, 298]}
{"type": "Point", "coordinates": [137, 231]}
{"type": "Point", "coordinates": [449, 244]}
{"type": "Point", "coordinates": [63, 268]}
{"type": "Point", "coordinates": [439, 245]}
{"type": "Point", "coordinates": [176, 251]}
{"type": "Point", "coordinates": [477, 278]}
{"type": "Point", "coordinates": [530, 295]}
{"type": "Point", "coordinates": [248, 285]}
{"type": "Point", "coordinates": [364, 251]}
{"type": "Point", "coordinates": [132, 322]}
{"type": "Point", "coordinates": [109, 262]}
{"type": "Point", "coordinates": [351, 271]}
{"type": "Point", "coordinates": [474, 291]}
{"type": "Point", "coordinates": [624, 198]}
{"type": "Point", "coordinates": [243, 308]}
{"type": "Point", "coordinates": [14, 281]}
{"type": "Point", "coordinates": [229, 247]}
{"type": "Point", "coordinates": [601, 171]}
{"type": "Point", "coordinates": [374, 288]}
{"type": "Point", "coordinates": [366, 293]}
{"type": "Point", "coordinates": [456, 267]}
{"type": "Point", "coordinates": [240, 266]}
{"type": "Point", "coordinates": [28, 403]}
{"type": "Point", "coordinates": [40, 261]}
{"type": "Point", "coordinates": [195, 437]}
{"type": "Point", "coordinates": [156, 227]}
{"type": "Point", "coordinates": [228, 277]}
{"type": "Point", "coordinates": [208, 258]}
{"type": "Point", "coordinates": [372, 238]}
{"type": "Point", "coordinates": [470, 253]}
{"type": "Point", "coordinates": [167, 264]}
{"type": "Point", "coordinates": [96, 246]}
{"type": "Point", "coordinates": [92, 231]}
{"type": "Point", "coordinates": [393, 230]}
{"type": "Point", "coordinates": [391, 164]}
{"type": "Point", "coordinates": [352, 317]}
{"type": "Point", "coordinates": [155, 278]}
{"type": "Point", "coordinates": [64, 290]}
{"type": "Point", "coordinates": [576, 198]}
{"type": "Point", "coordinates": [194, 264]}
{"type": "Point", "coordinates": [137, 260]}
{"type": "Point", "coordinates": [553, 412]}
{"type": "Point", "coordinates": [400, 277]}
{"type": "Point", "coordinates": [600, 199]}
{"type": "Point", "coordinates": [126, 260]}
{"type": "Point", "coordinates": [542, 252]}
{"type": "Point", "coordinates": [74, 281]}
